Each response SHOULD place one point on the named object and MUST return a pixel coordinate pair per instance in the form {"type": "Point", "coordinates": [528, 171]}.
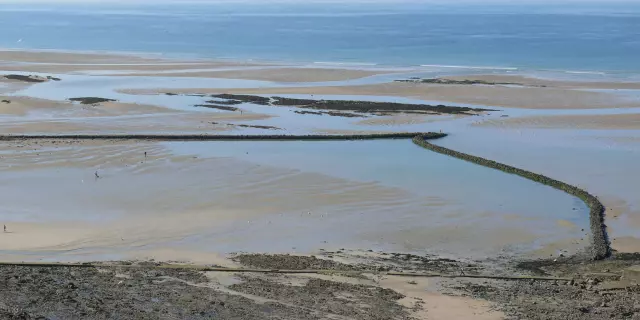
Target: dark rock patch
{"type": "Point", "coordinates": [227, 102]}
{"type": "Point", "coordinates": [309, 112]}
{"type": "Point", "coordinates": [464, 82]}
{"type": "Point", "coordinates": [258, 127]}
{"type": "Point", "coordinates": [91, 100]}
{"type": "Point", "coordinates": [215, 106]}
{"type": "Point", "coordinates": [243, 98]}
{"type": "Point", "coordinates": [25, 78]}
{"type": "Point", "coordinates": [337, 298]}
{"type": "Point", "coordinates": [247, 126]}
{"type": "Point", "coordinates": [291, 262]}
{"type": "Point", "coordinates": [353, 106]}
{"type": "Point", "coordinates": [331, 113]}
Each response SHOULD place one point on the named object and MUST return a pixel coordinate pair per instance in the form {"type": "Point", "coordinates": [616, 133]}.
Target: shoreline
{"type": "Point", "coordinates": [350, 64]}
{"type": "Point", "coordinates": [535, 74]}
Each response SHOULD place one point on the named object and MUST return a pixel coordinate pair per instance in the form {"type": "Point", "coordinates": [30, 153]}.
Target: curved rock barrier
{"type": "Point", "coordinates": [600, 247]}
{"type": "Point", "coordinates": [204, 137]}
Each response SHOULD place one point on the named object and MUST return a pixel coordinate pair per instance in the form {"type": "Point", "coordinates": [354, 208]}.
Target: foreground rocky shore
{"type": "Point", "coordinates": [368, 286]}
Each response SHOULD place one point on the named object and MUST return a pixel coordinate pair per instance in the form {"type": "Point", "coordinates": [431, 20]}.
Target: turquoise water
{"type": "Point", "coordinates": [603, 37]}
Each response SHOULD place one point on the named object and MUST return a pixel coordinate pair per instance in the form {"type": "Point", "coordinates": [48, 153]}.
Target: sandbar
{"type": "Point", "coordinates": [276, 74]}
{"type": "Point", "coordinates": [530, 81]}
{"type": "Point", "coordinates": [629, 121]}
{"type": "Point", "coordinates": [154, 123]}
{"type": "Point", "coordinates": [22, 105]}
{"type": "Point", "coordinates": [403, 119]}
{"type": "Point", "coordinates": [67, 62]}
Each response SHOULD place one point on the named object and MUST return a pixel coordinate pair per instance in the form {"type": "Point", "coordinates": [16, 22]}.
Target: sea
{"type": "Point", "coordinates": [594, 37]}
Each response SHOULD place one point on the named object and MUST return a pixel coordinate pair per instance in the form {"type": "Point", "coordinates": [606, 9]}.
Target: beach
{"type": "Point", "coordinates": [370, 206]}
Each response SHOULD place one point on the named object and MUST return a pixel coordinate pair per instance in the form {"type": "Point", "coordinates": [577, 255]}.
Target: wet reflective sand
{"type": "Point", "coordinates": [271, 196]}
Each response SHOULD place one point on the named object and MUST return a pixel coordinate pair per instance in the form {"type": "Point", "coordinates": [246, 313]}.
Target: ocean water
{"type": "Point", "coordinates": [577, 37]}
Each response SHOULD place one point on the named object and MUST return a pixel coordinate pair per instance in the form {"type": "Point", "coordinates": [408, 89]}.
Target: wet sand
{"type": "Point", "coordinates": [175, 199]}
{"type": "Point", "coordinates": [600, 122]}
{"type": "Point", "coordinates": [8, 86]}
{"type": "Point", "coordinates": [22, 106]}
{"type": "Point", "coordinates": [169, 122]}
{"type": "Point", "coordinates": [140, 215]}
{"type": "Point", "coordinates": [74, 62]}
{"type": "Point", "coordinates": [27, 115]}
{"type": "Point", "coordinates": [404, 119]}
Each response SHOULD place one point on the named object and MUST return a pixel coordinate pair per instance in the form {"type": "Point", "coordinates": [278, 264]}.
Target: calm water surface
{"type": "Point", "coordinates": [607, 36]}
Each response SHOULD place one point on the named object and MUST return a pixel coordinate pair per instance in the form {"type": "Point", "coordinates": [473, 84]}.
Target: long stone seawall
{"type": "Point", "coordinates": [204, 137]}
{"type": "Point", "coordinates": [600, 247]}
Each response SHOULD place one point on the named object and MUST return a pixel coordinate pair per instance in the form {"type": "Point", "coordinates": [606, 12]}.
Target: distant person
{"type": "Point", "coordinates": [97, 176]}
{"type": "Point", "coordinates": [145, 154]}
{"type": "Point", "coordinates": [5, 228]}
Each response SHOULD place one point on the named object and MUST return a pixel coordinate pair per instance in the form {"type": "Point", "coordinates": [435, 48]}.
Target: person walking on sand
{"type": "Point", "coordinates": [5, 228]}
{"type": "Point", "coordinates": [97, 176]}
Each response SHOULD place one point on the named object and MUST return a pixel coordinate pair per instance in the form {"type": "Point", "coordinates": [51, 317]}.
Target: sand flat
{"type": "Point", "coordinates": [22, 105]}
{"type": "Point", "coordinates": [530, 81]}
{"type": "Point", "coordinates": [229, 196]}
{"type": "Point", "coordinates": [423, 298]}
{"type": "Point", "coordinates": [403, 119]}
{"type": "Point", "coordinates": [603, 122]}
{"type": "Point", "coordinates": [277, 74]}
{"type": "Point", "coordinates": [27, 115]}
{"type": "Point", "coordinates": [145, 201]}
{"type": "Point", "coordinates": [144, 68]}
{"type": "Point", "coordinates": [159, 123]}
{"type": "Point", "coordinates": [10, 86]}
{"type": "Point", "coordinates": [68, 62]}
{"type": "Point", "coordinates": [498, 96]}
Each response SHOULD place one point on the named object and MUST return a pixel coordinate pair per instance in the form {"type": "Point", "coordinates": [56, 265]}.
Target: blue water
{"type": "Point", "coordinates": [602, 37]}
